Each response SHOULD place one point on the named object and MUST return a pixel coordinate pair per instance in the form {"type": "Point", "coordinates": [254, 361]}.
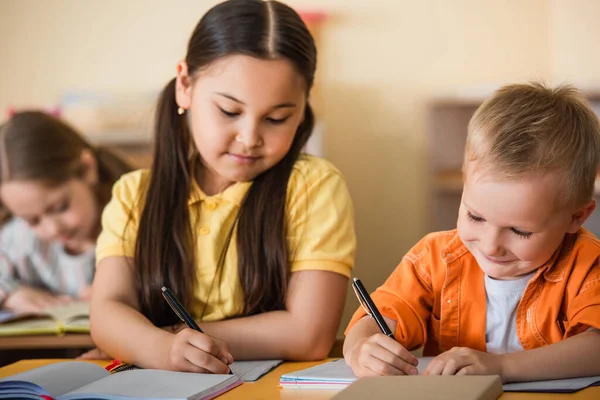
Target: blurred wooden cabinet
{"type": "Point", "coordinates": [447, 131]}
{"type": "Point", "coordinates": [138, 154]}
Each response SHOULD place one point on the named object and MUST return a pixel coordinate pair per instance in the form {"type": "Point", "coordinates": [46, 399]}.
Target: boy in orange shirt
{"type": "Point", "coordinates": [515, 289]}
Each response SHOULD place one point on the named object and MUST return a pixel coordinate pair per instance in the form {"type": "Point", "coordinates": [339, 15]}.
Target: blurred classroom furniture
{"type": "Point", "coordinates": [268, 386]}
{"type": "Point", "coordinates": [70, 345]}
{"type": "Point", "coordinates": [68, 341]}
{"type": "Point", "coordinates": [447, 133]}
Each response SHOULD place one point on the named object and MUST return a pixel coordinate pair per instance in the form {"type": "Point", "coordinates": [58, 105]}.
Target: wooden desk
{"type": "Point", "coordinates": [68, 341]}
{"type": "Point", "coordinates": [267, 388]}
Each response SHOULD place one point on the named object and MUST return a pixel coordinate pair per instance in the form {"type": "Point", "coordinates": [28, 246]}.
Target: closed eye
{"type": "Point", "coordinates": [474, 218]}
{"type": "Point", "coordinates": [521, 234]}
{"type": "Point", "coordinates": [228, 114]}
{"type": "Point", "coordinates": [276, 121]}
{"type": "Point", "coordinates": [61, 207]}
{"type": "Point", "coordinates": [524, 235]}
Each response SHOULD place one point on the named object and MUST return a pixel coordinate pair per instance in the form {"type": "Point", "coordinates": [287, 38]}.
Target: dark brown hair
{"type": "Point", "coordinates": [164, 253]}
{"type": "Point", "coordinates": [38, 146]}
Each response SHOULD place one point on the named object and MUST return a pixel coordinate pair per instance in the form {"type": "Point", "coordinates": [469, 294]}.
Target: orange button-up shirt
{"type": "Point", "coordinates": [437, 295]}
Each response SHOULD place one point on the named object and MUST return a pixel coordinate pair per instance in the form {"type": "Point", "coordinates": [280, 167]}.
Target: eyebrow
{"type": "Point", "coordinates": [230, 97]}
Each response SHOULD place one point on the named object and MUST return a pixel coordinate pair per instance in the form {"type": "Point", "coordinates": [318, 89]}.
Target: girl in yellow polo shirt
{"type": "Point", "coordinates": [256, 239]}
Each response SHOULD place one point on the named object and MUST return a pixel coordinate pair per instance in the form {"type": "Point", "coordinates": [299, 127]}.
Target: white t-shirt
{"type": "Point", "coordinates": [503, 297]}
{"type": "Point", "coordinates": [27, 260]}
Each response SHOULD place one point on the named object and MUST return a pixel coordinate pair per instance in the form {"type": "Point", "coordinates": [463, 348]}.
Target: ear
{"type": "Point", "coordinates": [89, 165]}
{"type": "Point", "coordinates": [183, 86]}
{"type": "Point", "coordinates": [580, 216]}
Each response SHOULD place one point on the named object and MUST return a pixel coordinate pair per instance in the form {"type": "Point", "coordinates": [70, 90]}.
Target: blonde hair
{"type": "Point", "coordinates": [528, 129]}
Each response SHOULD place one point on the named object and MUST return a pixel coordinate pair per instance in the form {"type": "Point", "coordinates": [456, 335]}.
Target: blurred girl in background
{"type": "Point", "coordinates": [53, 187]}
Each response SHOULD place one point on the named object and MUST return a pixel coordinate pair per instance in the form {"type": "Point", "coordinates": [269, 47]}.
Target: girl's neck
{"type": "Point", "coordinates": [208, 181]}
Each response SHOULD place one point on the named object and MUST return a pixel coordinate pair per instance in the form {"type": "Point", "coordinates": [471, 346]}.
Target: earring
{"type": "Point", "coordinates": [180, 110]}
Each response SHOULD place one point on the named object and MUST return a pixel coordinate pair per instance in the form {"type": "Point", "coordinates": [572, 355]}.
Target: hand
{"type": "Point", "coordinates": [85, 294]}
{"type": "Point", "coordinates": [466, 361]}
{"type": "Point", "coordinates": [94, 354]}
{"type": "Point", "coordinates": [192, 351]}
{"type": "Point", "coordinates": [381, 355]}
{"type": "Point", "coordinates": [29, 299]}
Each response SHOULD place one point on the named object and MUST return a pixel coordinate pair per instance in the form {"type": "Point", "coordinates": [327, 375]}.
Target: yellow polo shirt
{"type": "Point", "coordinates": [319, 220]}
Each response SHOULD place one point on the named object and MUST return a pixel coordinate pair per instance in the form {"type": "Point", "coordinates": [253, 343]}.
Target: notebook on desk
{"type": "Point", "coordinates": [70, 318]}
{"type": "Point", "coordinates": [329, 376]}
{"type": "Point", "coordinates": [337, 374]}
{"type": "Point", "coordinates": [78, 380]}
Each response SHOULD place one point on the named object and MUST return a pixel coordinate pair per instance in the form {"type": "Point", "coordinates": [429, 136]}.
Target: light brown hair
{"type": "Point", "coordinates": [39, 147]}
{"type": "Point", "coordinates": [531, 128]}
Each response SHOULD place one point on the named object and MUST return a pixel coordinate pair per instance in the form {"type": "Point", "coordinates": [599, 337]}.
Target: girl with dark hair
{"type": "Point", "coordinates": [255, 238]}
{"type": "Point", "coordinates": [53, 187]}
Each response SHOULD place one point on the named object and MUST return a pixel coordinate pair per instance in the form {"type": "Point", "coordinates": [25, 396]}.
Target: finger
{"type": "Point", "coordinates": [468, 370]}
{"type": "Point", "coordinates": [435, 367]}
{"type": "Point", "coordinates": [395, 348]}
{"type": "Point", "coordinates": [205, 360]}
{"type": "Point", "coordinates": [206, 343]}
{"type": "Point", "coordinates": [184, 365]}
{"type": "Point", "coordinates": [451, 367]}
{"type": "Point", "coordinates": [380, 361]}
{"type": "Point", "coordinates": [372, 366]}
{"type": "Point", "coordinates": [397, 364]}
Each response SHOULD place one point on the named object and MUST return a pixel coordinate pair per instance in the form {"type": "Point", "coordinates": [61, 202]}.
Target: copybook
{"type": "Point", "coordinates": [70, 318]}
{"type": "Point", "coordinates": [338, 375]}
{"type": "Point", "coordinates": [78, 380]}
{"type": "Point", "coordinates": [329, 376]}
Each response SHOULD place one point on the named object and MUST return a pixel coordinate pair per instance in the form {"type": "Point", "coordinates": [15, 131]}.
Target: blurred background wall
{"type": "Point", "coordinates": [381, 63]}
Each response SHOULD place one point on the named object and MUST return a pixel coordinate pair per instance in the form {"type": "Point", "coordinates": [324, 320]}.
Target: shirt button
{"type": "Point", "coordinates": [211, 205]}
{"type": "Point", "coordinates": [448, 301]}
{"type": "Point", "coordinates": [205, 230]}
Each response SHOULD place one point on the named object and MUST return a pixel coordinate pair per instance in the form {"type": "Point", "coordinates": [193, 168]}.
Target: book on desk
{"type": "Point", "coordinates": [338, 375]}
{"type": "Point", "coordinates": [68, 318]}
{"type": "Point", "coordinates": [74, 380]}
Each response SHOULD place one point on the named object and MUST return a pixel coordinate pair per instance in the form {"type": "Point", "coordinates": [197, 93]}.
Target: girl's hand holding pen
{"type": "Point", "coordinates": [381, 355]}
{"type": "Point", "coordinates": [192, 351]}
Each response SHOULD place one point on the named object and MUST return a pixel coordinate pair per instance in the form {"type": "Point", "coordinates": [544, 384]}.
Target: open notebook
{"type": "Point", "coordinates": [78, 380]}
{"type": "Point", "coordinates": [72, 317]}
{"type": "Point", "coordinates": [338, 375]}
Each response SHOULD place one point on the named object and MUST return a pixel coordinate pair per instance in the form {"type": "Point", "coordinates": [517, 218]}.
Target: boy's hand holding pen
{"type": "Point", "coordinates": [378, 354]}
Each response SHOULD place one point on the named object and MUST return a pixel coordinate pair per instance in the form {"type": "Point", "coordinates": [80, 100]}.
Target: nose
{"type": "Point", "coordinates": [249, 135]}
{"type": "Point", "coordinates": [50, 228]}
{"type": "Point", "coordinates": [490, 244]}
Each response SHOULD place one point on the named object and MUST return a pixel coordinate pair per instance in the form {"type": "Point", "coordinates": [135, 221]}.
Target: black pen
{"type": "Point", "coordinates": [180, 311]}
{"type": "Point", "coordinates": [367, 303]}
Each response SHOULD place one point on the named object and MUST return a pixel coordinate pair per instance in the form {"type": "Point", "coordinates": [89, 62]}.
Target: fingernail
{"type": "Point", "coordinates": [224, 360]}
{"type": "Point", "coordinates": [414, 371]}
{"type": "Point", "coordinates": [415, 362]}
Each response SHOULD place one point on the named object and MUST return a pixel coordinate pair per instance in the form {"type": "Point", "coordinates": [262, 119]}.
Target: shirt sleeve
{"type": "Point", "coordinates": [120, 219]}
{"type": "Point", "coordinates": [407, 298]}
{"type": "Point", "coordinates": [584, 310]}
{"type": "Point", "coordinates": [8, 277]}
{"type": "Point", "coordinates": [320, 221]}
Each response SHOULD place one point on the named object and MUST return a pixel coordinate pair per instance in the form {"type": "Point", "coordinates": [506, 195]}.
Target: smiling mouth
{"type": "Point", "coordinates": [499, 262]}
{"type": "Point", "coordinates": [243, 158]}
